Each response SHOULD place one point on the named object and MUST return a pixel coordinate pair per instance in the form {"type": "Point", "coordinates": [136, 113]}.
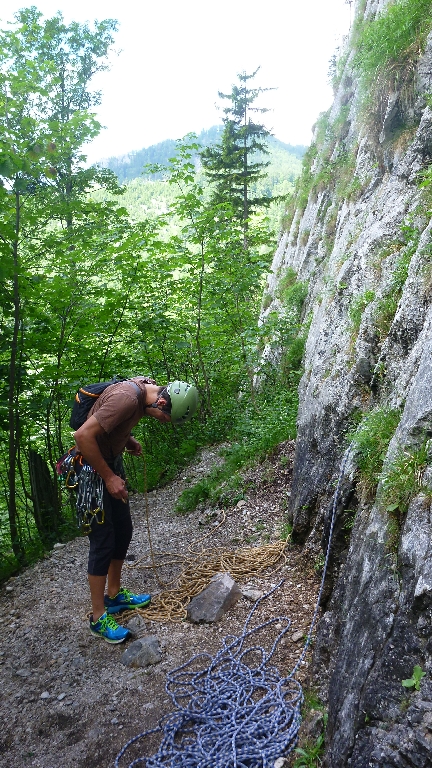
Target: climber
{"type": "Point", "coordinates": [101, 440]}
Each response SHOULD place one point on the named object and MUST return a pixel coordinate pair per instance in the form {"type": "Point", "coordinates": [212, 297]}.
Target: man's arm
{"type": "Point", "coordinates": [85, 440]}
{"type": "Point", "coordinates": [133, 446]}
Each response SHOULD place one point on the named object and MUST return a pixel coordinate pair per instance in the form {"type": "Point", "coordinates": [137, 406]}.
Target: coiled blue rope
{"type": "Point", "coordinates": [230, 713]}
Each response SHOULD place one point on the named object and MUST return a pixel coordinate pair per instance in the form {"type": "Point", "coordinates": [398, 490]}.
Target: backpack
{"type": "Point", "coordinates": [86, 397]}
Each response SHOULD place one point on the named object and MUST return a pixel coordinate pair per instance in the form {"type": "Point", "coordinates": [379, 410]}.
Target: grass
{"type": "Point", "coordinates": [387, 50]}
{"type": "Point", "coordinates": [256, 434]}
{"type": "Point", "coordinates": [386, 43]}
{"type": "Point", "coordinates": [358, 306]}
{"type": "Point", "coordinates": [371, 440]}
{"type": "Point", "coordinates": [402, 479]}
{"type": "Point", "coordinates": [309, 754]}
{"type": "Point", "coordinates": [387, 304]}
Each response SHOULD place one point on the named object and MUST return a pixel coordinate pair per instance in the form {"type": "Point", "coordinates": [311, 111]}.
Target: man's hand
{"type": "Point", "coordinates": [134, 447]}
{"type": "Point", "coordinates": [116, 487]}
{"type": "Point", "coordinates": [86, 442]}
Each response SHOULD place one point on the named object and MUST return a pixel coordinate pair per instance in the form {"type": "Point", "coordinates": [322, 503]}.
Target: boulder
{"type": "Point", "coordinates": [142, 652]}
{"type": "Point", "coordinates": [215, 600]}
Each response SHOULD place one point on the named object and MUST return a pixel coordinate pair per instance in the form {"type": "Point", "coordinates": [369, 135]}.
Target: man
{"type": "Point", "coordinates": [101, 440]}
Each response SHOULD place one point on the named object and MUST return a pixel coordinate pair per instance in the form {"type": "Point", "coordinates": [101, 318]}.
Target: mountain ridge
{"type": "Point", "coordinates": [129, 166]}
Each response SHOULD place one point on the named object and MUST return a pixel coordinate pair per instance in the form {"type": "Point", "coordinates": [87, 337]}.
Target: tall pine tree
{"type": "Point", "coordinates": [235, 165]}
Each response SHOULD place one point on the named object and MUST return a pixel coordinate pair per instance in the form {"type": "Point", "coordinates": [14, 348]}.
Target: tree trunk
{"type": "Point", "coordinates": [13, 414]}
{"type": "Point", "coordinates": [45, 500]}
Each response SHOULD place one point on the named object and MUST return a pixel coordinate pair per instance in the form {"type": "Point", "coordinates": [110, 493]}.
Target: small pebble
{"type": "Point", "coordinates": [45, 695]}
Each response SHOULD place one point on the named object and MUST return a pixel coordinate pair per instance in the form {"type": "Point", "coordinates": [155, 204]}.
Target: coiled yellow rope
{"type": "Point", "coordinates": [198, 568]}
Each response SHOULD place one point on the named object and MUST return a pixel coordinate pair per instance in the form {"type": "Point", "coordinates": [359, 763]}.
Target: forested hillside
{"type": "Point", "coordinates": [146, 194]}
{"type": "Point", "coordinates": [126, 167]}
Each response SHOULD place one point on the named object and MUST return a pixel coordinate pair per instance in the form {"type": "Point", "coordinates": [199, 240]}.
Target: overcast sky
{"type": "Point", "coordinates": [175, 55]}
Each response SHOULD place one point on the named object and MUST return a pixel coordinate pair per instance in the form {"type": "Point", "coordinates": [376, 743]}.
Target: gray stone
{"type": "Point", "coordinates": [136, 625]}
{"type": "Point", "coordinates": [142, 652]}
{"type": "Point", "coordinates": [215, 600]}
{"type": "Point", "coordinates": [23, 673]}
{"type": "Point", "coordinates": [45, 695]}
{"type": "Point", "coordinates": [252, 594]}
{"type": "Point", "coordinates": [297, 636]}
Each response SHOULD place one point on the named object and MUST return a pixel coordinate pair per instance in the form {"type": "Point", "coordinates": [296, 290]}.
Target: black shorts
{"type": "Point", "coordinates": [110, 540]}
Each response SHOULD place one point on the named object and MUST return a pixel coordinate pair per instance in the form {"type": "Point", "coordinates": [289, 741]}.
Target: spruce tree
{"type": "Point", "coordinates": [235, 165]}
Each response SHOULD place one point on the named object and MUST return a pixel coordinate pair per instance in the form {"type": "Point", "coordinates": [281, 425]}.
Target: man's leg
{"type": "Point", "coordinates": [97, 591]}
{"type": "Point", "coordinates": [114, 578]}
{"type": "Point", "coordinates": [102, 546]}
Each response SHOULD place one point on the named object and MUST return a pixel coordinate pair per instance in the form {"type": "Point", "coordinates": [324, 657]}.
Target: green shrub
{"type": "Point", "coordinates": [402, 479]}
{"type": "Point", "coordinates": [358, 306]}
{"type": "Point", "coordinates": [256, 430]}
{"type": "Point", "coordinates": [287, 280]}
{"type": "Point", "coordinates": [389, 42]}
{"type": "Point", "coordinates": [371, 441]}
{"type": "Point", "coordinates": [294, 297]}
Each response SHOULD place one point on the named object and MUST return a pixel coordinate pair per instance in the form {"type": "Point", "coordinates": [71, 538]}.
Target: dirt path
{"type": "Point", "coordinates": [67, 701]}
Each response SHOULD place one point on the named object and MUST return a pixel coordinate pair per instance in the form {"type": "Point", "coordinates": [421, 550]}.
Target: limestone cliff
{"type": "Point", "coordinates": [359, 232]}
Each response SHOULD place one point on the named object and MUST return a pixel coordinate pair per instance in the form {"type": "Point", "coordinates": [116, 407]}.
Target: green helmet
{"type": "Point", "coordinates": [184, 401]}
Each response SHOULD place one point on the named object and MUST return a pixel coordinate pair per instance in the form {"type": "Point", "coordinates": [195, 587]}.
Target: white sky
{"type": "Point", "coordinates": [177, 54]}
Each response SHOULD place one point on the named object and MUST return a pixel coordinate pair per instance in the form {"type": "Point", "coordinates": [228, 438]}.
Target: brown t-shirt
{"type": "Point", "coordinates": [118, 409]}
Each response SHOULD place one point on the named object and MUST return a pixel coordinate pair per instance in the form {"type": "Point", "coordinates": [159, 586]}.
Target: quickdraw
{"type": "Point", "coordinates": [88, 485]}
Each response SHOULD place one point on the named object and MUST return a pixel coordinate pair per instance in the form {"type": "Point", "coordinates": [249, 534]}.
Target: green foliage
{"type": "Point", "coordinates": [284, 335]}
{"type": "Point", "coordinates": [401, 480]}
{"type": "Point", "coordinates": [89, 290]}
{"type": "Point", "coordinates": [387, 304]}
{"type": "Point", "coordinates": [235, 165]}
{"type": "Point", "coordinates": [286, 530]}
{"type": "Point", "coordinates": [386, 43]}
{"type": "Point", "coordinates": [415, 680]}
{"type": "Point", "coordinates": [292, 292]}
{"type": "Point", "coordinates": [255, 431]}
{"type": "Point", "coordinates": [310, 755]}
{"type": "Point", "coordinates": [371, 440]}
{"type": "Point", "coordinates": [388, 48]}
{"type": "Point", "coordinates": [358, 306]}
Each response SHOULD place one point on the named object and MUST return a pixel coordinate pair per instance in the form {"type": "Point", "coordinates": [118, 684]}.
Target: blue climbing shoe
{"type": "Point", "coordinates": [125, 601]}
{"type": "Point", "coordinates": [108, 628]}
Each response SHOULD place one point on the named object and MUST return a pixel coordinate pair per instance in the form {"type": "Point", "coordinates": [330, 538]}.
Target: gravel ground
{"type": "Point", "coordinates": [67, 701]}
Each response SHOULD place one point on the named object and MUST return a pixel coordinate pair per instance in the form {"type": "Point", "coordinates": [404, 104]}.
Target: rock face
{"type": "Point", "coordinates": [362, 241]}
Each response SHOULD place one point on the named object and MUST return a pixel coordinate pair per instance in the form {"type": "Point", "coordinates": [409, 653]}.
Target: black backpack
{"type": "Point", "coordinates": [86, 397]}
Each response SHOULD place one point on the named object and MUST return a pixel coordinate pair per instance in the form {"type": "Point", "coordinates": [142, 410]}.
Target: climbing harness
{"type": "Point", "coordinates": [80, 477]}
{"type": "Point", "coordinates": [228, 713]}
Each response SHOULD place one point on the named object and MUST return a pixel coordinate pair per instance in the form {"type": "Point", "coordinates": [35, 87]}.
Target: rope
{"type": "Point", "coordinates": [198, 570]}
{"type": "Point", "coordinates": [199, 567]}
{"type": "Point", "coordinates": [230, 714]}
